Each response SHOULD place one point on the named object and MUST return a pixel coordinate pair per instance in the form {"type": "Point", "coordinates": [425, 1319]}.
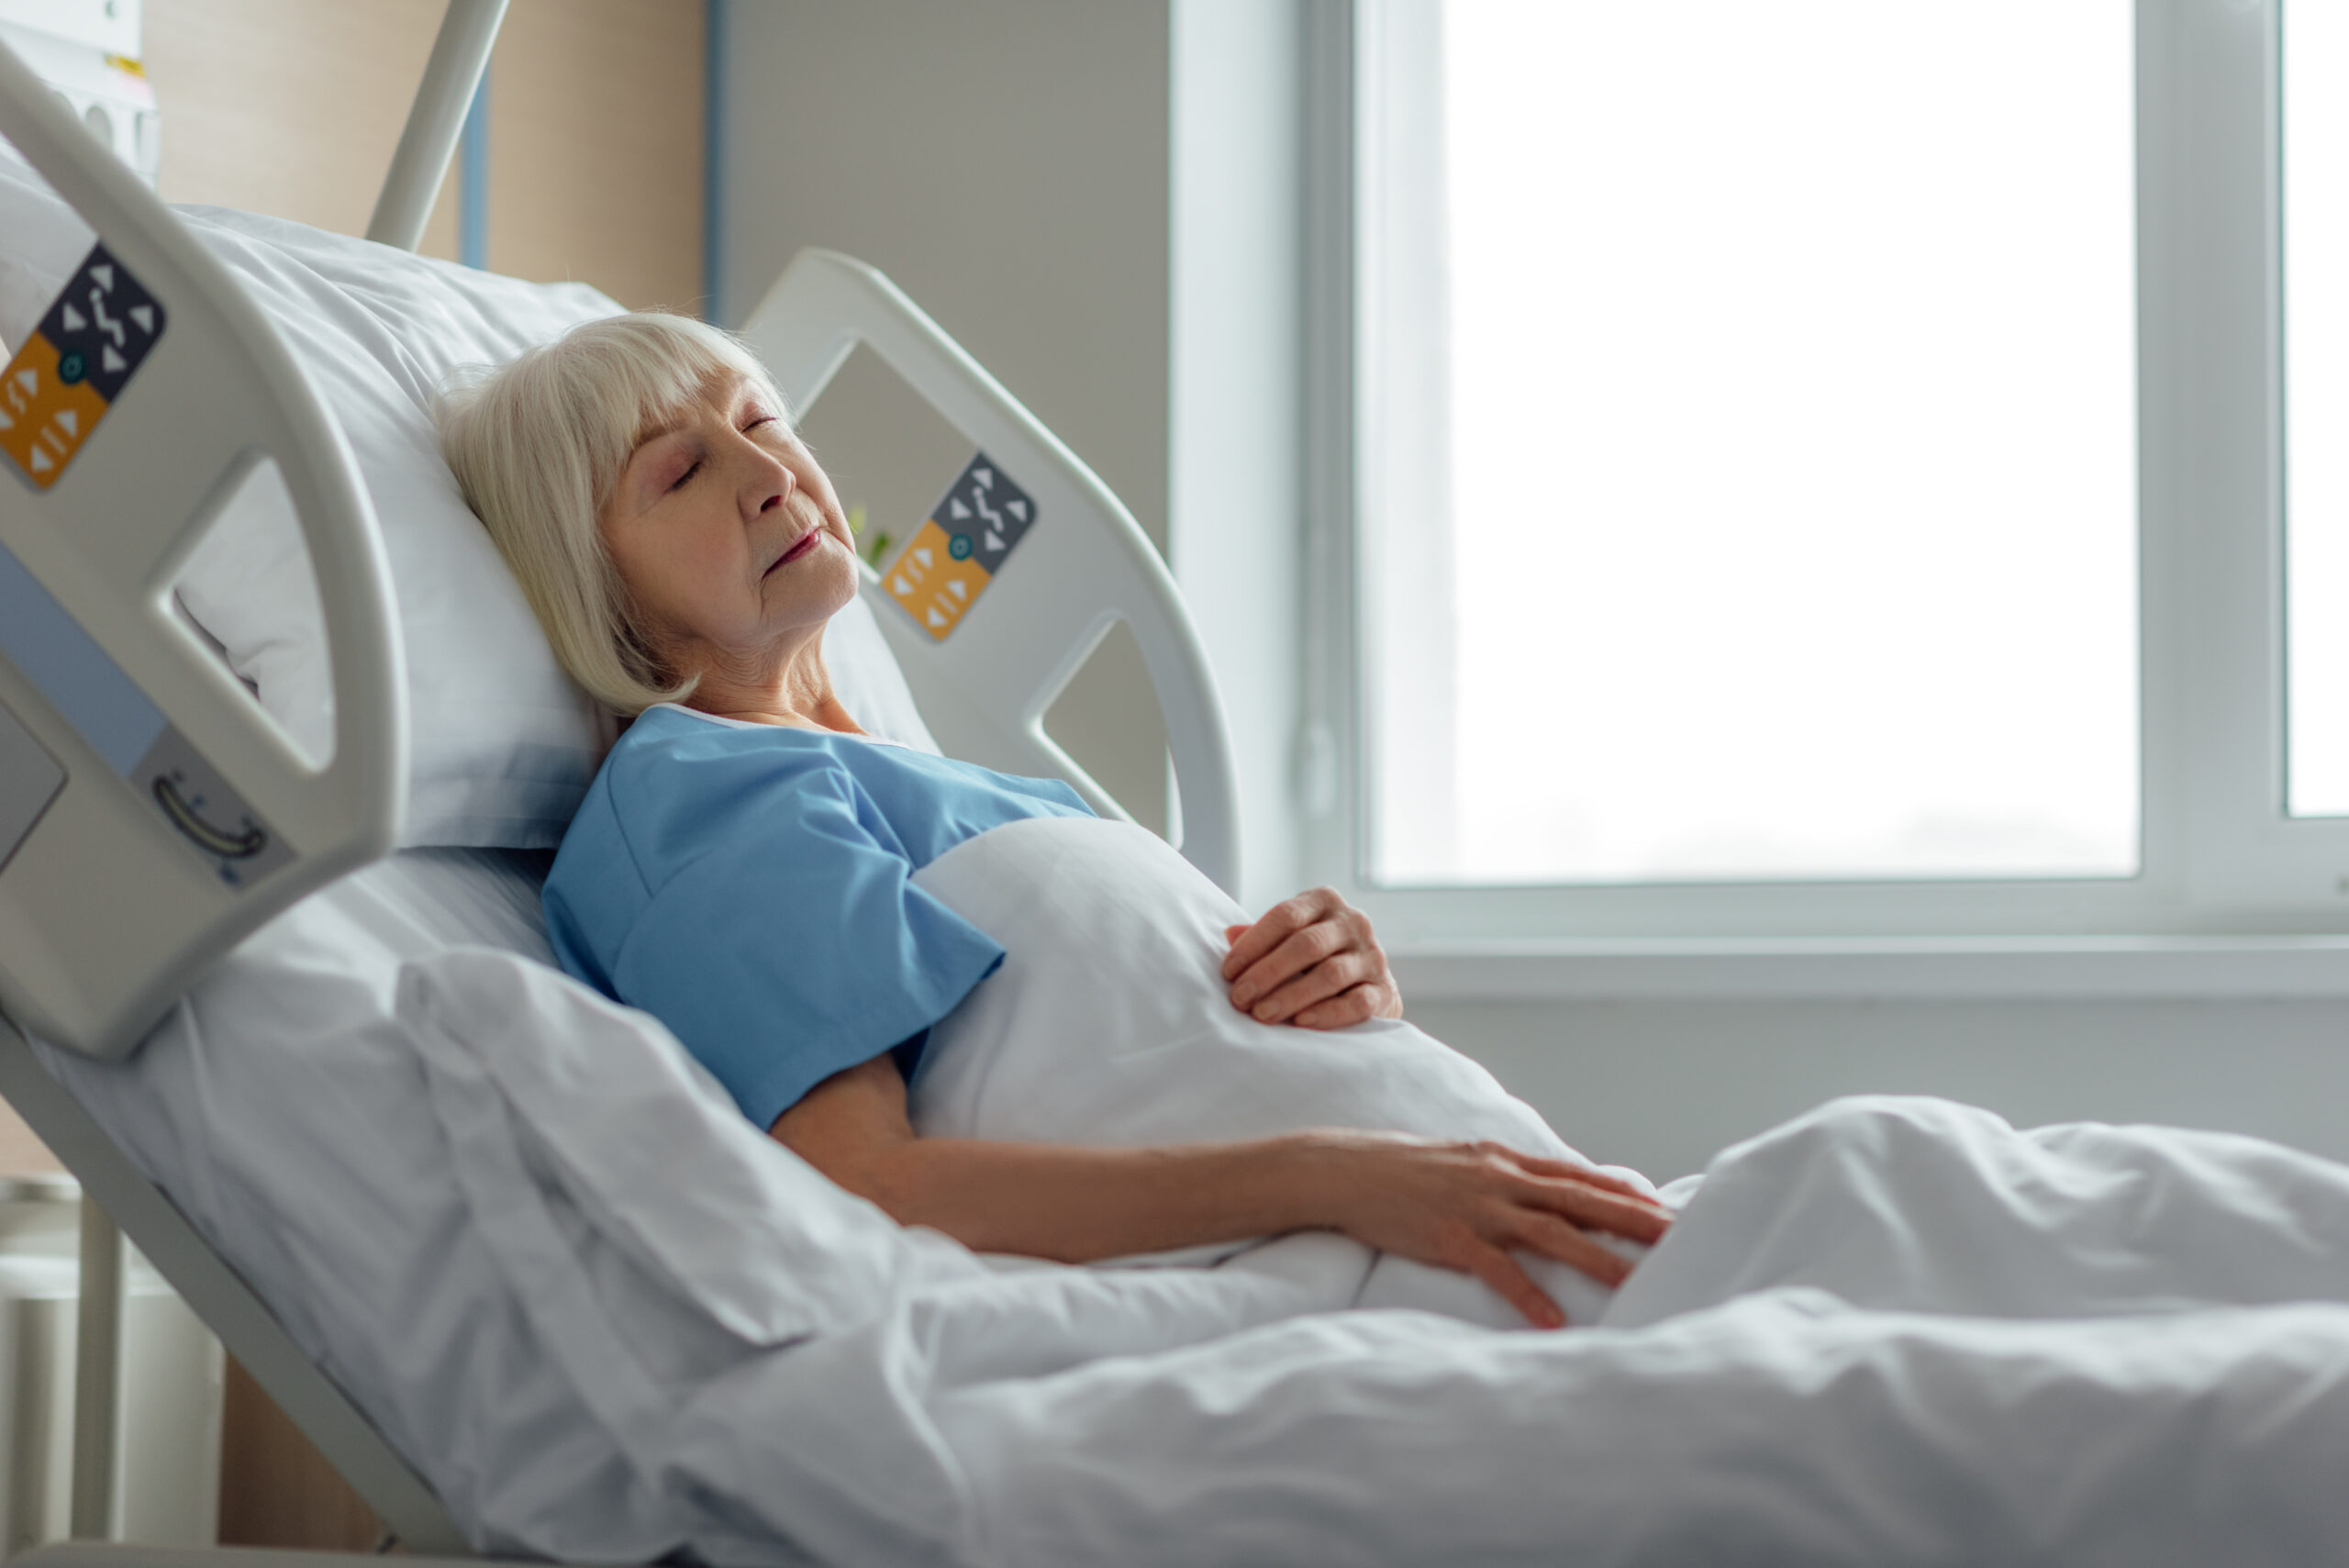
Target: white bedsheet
{"type": "Point", "coordinates": [1895, 1332]}
{"type": "Point", "coordinates": [284, 1106]}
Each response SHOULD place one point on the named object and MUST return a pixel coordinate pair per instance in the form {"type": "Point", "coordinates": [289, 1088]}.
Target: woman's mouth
{"type": "Point", "coordinates": [807, 542]}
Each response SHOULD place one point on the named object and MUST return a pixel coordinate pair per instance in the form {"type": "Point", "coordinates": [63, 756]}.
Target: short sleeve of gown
{"type": "Point", "coordinates": [782, 942]}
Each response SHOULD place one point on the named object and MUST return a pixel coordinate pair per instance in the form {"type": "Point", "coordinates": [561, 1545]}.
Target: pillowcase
{"type": "Point", "coordinates": [502, 745]}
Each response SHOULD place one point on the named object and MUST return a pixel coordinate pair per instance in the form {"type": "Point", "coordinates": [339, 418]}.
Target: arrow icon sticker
{"type": "Point", "coordinates": [974, 528]}
{"type": "Point", "coordinates": [73, 365]}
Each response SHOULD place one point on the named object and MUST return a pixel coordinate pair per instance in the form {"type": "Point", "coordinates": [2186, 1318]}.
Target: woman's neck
{"type": "Point", "coordinates": [797, 693]}
{"type": "Point", "coordinates": [826, 714]}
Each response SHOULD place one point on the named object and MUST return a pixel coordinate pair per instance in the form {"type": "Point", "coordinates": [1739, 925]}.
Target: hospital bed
{"type": "Point", "coordinates": [535, 1289]}
{"type": "Point", "coordinates": [151, 816]}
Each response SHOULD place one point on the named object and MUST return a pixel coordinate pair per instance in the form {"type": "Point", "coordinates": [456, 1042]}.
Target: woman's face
{"type": "Point", "coordinates": [729, 537]}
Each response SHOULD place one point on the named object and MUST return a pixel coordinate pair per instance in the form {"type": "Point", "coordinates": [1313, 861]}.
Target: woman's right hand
{"type": "Point", "coordinates": [1470, 1206]}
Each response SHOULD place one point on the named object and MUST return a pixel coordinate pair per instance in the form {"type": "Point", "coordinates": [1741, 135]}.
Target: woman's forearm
{"type": "Point", "coordinates": [1079, 1204]}
{"type": "Point", "coordinates": [1468, 1207]}
{"type": "Point", "coordinates": [1067, 1203]}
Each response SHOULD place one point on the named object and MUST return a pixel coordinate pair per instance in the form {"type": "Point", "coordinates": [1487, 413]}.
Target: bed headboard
{"type": "Point", "coordinates": [151, 815]}
{"type": "Point", "coordinates": [1003, 593]}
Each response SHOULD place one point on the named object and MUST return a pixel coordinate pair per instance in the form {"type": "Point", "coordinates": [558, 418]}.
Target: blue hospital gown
{"type": "Point", "coordinates": [749, 886]}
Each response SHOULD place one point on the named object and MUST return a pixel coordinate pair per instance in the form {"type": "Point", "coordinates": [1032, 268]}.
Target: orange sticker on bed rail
{"type": "Point", "coordinates": [74, 365]}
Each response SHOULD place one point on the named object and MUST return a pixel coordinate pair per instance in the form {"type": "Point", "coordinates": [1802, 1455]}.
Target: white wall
{"type": "Point", "coordinates": [1664, 1085]}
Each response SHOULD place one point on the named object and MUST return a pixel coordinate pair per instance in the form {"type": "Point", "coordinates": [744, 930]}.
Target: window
{"type": "Point", "coordinates": [1822, 468]}
{"type": "Point", "coordinates": [2316, 403]}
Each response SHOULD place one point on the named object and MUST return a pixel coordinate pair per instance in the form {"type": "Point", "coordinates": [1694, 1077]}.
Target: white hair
{"type": "Point", "coordinates": [537, 446]}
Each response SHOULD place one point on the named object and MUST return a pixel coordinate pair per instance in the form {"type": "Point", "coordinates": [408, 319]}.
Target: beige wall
{"type": "Point", "coordinates": [292, 107]}
{"type": "Point", "coordinates": [289, 107]}
{"type": "Point", "coordinates": [595, 147]}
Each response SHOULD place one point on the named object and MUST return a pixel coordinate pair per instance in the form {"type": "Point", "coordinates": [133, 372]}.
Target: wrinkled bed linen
{"type": "Point", "coordinates": [1893, 1331]}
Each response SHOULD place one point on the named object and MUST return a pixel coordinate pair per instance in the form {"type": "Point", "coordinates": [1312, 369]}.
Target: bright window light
{"type": "Point", "coordinates": [2316, 403]}
{"type": "Point", "coordinates": [1792, 449]}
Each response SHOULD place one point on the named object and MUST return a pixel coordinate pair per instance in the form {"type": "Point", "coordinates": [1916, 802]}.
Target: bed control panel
{"type": "Point", "coordinates": [74, 365]}
{"type": "Point", "coordinates": [950, 562]}
{"type": "Point", "coordinates": [106, 707]}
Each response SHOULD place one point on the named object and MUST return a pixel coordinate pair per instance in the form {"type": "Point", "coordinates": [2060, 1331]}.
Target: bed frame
{"type": "Point", "coordinates": [114, 901]}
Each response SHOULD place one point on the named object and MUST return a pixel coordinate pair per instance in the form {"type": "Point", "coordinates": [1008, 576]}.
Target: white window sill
{"type": "Point", "coordinates": [1855, 968]}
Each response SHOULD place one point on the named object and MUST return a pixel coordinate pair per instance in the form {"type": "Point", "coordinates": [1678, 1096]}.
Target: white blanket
{"type": "Point", "coordinates": [1184, 1415]}
{"type": "Point", "coordinates": [1110, 1023]}
{"type": "Point", "coordinates": [1894, 1331]}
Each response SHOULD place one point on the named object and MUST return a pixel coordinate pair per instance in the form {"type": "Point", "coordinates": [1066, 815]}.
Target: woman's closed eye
{"type": "Point", "coordinates": [751, 421]}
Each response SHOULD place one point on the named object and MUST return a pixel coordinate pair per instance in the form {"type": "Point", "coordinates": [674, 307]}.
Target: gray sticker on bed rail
{"type": "Point", "coordinates": [103, 324]}
{"type": "Point", "coordinates": [29, 780]}
{"type": "Point", "coordinates": [987, 509]}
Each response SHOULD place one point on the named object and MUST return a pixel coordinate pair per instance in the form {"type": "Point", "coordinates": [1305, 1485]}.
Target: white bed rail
{"type": "Point", "coordinates": [985, 666]}
{"type": "Point", "coordinates": [151, 813]}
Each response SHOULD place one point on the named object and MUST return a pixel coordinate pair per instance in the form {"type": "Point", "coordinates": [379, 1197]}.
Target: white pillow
{"type": "Point", "coordinates": [502, 743]}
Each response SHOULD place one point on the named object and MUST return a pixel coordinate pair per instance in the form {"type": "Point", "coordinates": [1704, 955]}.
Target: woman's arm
{"type": "Point", "coordinates": [1457, 1205]}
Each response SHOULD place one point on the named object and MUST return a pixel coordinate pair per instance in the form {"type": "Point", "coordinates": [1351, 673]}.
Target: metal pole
{"type": "Point", "coordinates": [459, 55]}
{"type": "Point", "coordinates": [97, 1368]}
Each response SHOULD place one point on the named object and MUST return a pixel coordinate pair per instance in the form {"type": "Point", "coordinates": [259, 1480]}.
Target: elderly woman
{"type": "Point", "coordinates": [741, 867]}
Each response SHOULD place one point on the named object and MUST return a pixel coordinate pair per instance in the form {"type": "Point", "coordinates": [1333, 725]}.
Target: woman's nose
{"type": "Point", "coordinates": [772, 482]}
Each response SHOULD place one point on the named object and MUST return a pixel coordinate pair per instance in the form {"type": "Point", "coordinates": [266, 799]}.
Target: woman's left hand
{"type": "Point", "coordinates": [1312, 960]}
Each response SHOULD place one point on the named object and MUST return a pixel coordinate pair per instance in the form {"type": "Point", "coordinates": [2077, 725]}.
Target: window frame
{"type": "Point", "coordinates": [2219, 853]}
